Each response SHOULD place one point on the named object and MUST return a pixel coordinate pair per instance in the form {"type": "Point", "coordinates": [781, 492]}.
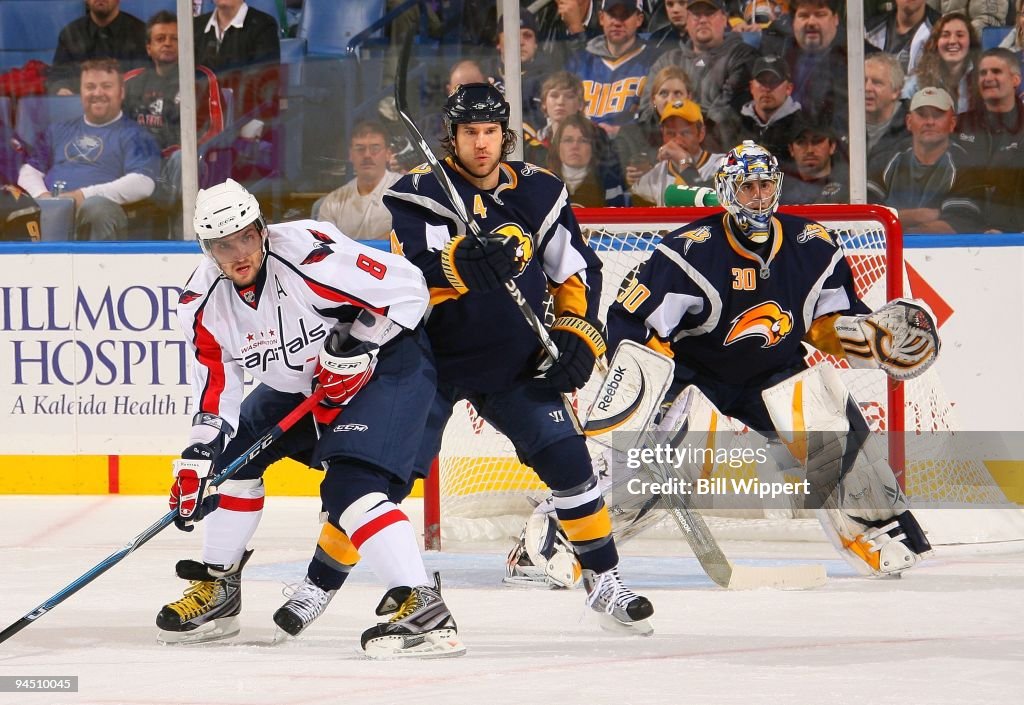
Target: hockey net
{"type": "Point", "coordinates": [481, 492]}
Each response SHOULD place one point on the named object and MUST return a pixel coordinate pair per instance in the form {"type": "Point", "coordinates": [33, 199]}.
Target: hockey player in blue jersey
{"type": "Point", "coordinates": [485, 351]}
{"type": "Point", "coordinates": [734, 297]}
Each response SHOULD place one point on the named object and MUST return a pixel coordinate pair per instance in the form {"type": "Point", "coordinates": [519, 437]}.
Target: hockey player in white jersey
{"type": "Point", "coordinates": [297, 305]}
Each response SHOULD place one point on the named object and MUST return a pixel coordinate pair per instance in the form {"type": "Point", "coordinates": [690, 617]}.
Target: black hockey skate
{"type": "Point", "coordinates": [420, 626]}
{"type": "Point", "coordinates": [209, 609]}
{"type": "Point", "coordinates": [622, 610]}
{"type": "Point", "coordinates": [303, 606]}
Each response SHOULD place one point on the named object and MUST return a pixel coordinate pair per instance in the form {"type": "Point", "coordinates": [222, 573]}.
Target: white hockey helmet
{"type": "Point", "coordinates": [223, 210]}
{"type": "Point", "coordinates": [748, 162]}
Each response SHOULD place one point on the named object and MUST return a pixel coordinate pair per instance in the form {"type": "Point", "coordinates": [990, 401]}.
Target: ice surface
{"type": "Point", "coordinates": [951, 631]}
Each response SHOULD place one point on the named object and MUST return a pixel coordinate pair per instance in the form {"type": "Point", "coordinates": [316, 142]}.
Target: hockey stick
{"type": "Point", "coordinates": [704, 546]}
{"type": "Point", "coordinates": [460, 208]}
{"type": "Point", "coordinates": [117, 556]}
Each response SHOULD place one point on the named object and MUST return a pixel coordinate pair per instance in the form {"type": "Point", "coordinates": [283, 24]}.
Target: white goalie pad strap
{"type": "Point", "coordinates": [901, 338]}
{"type": "Point", "coordinates": [630, 395]}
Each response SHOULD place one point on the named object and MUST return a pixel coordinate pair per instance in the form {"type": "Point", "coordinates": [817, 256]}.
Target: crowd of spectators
{"type": "Point", "coordinates": [620, 98]}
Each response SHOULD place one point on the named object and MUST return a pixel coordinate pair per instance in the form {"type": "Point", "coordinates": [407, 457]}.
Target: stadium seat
{"type": "Point", "coordinates": [144, 9]}
{"type": "Point", "coordinates": [36, 25]}
{"type": "Point", "coordinates": [35, 112]}
{"type": "Point", "coordinates": [328, 26]}
{"type": "Point", "coordinates": [991, 37]}
{"type": "Point", "coordinates": [17, 58]}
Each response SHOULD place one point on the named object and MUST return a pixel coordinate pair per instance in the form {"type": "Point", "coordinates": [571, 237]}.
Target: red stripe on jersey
{"type": "Point", "coordinates": [241, 504]}
{"type": "Point", "coordinates": [330, 294]}
{"type": "Point", "coordinates": [208, 354]}
{"type": "Point", "coordinates": [368, 530]}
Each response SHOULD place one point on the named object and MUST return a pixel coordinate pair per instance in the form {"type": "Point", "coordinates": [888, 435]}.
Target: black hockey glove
{"type": "Point", "coordinates": [480, 267]}
{"type": "Point", "coordinates": [191, 494]}
{"type": "Point", "coordinates": [579, 344]}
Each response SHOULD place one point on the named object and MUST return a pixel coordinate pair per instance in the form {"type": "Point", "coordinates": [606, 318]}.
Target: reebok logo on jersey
{"type": "Point", "coordinates": [766, 320]}
{"type": "Point", "coordinates": [812, 230]}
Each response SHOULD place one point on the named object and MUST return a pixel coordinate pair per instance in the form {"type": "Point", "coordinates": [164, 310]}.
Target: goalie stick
{"type": "Point", "coordinates": [166, 520]}
{"type": "Point", "coordinates": [627, 404]}
{"type": "Point", "coordinates": [460, 208]}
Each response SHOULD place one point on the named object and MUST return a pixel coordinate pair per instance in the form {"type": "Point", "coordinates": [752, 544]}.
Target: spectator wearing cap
{"type": "Point", "coordinates": [813, 44]}
{"type": "Point", "coordinates": [682, 158]}
{"type": "Point", "coordinates": [885, 113]}
{"type": "Point", "coordinates": [614, 66]}
{"type": "Point", "coordinates": [815, 171]}
{"type": "Point", "coordinates": [640, 140]}
{"type": "Point", "coordinates": [565, 27]}
{"type": "Point", "coordinates": [718, 64]}
{"type": "Point", "coordinates": [770, 116]}
{"type": "Point", "coordinates": [534, 68]}
{"type": "Point", "coordinates": [924, 182]}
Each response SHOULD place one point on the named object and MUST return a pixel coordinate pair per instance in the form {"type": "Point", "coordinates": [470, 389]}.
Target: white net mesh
{"type": "Point", "coordinates": [481, 476]}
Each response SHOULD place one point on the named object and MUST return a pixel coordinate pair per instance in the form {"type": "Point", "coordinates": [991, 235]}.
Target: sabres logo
{"type": "Point", "coordinates": [524, 245]}
{"type": "Point", "coordinates": [766, 320]}
{"type": "Point", "coordinates": [814, 230]}
{"type": "Point", "coordinates": [701, 234]}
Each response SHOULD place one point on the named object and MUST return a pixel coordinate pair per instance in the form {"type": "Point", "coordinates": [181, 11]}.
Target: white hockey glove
{"type": "Point", "coordinates": [191, 494]}
{"type": "Point", "coordinates": [901, 338]}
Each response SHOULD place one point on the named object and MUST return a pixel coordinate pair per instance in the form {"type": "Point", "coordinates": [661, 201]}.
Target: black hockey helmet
{"type": "Point", "coordinates": [475, 102]}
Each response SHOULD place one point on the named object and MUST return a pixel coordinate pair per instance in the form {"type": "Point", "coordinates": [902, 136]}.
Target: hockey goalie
{"type": "Point", "coordinates": [733, 300]}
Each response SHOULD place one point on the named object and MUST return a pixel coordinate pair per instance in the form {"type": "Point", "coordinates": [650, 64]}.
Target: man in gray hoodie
{"type": "Point", "coordinates": [770, 117]}
{"type": "Point", "coordinates": [718, 64]}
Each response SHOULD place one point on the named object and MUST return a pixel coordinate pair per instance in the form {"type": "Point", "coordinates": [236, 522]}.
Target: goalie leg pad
{"type": "Point", "coordinates": [543, 555]}
{"type": "Point", "coordinates": [860, 504]}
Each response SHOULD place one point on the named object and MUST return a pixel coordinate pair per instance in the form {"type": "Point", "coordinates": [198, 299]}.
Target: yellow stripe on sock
{"type": "Point", "coordinates": [336, 544]}
{"type": "Point", "coordinates": [595, 526]}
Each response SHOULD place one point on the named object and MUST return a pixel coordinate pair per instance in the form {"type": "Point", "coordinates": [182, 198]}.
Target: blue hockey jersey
{"type": "Point", "coordinates": [481, 341]}
{"type": "Point", "coordinates": [733, 314]}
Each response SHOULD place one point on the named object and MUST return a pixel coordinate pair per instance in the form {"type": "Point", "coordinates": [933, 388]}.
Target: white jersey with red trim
{"type": "Point", "coordinates": [312, 277]}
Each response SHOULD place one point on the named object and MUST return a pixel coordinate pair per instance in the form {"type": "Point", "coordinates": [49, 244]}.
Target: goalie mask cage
{"type": "Point", "coordinates": [480, 492]}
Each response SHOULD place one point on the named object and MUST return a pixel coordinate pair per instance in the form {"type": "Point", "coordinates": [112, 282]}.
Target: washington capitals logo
{"type": "Point", "coordinates": [320, 252]}
{"type": "Point", "coordinates": [766, 320]}
{"type": "Point", "coordinates": [187, 297]}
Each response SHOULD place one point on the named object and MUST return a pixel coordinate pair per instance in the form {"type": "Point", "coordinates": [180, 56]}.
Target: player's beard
{"type": "Point", "coordinates": [481, 170]}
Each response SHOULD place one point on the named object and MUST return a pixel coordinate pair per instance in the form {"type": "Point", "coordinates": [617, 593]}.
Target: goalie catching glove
{"type": "Point", "coordinates": [579, 344]}
{"type": "Point", "coordinates": [191, 494]}
{"type": "Point", "coordinates": [901, 338]}
{"type": "Point", "coordinates": [482, 266]}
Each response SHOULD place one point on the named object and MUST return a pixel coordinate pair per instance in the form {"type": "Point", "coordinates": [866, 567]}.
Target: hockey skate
{"type": "Point", "coordinates": [305, 604]}
{"type": "Point", "coordinates": [622, 611]}
{"type": "Point", "coordinates": [209, 609]}
{"type": "Point", "coordinates": [420, 626]}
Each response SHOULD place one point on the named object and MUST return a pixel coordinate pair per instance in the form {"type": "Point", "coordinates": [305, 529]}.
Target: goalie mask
{"type": "Point", "coordinates": [222, 211]}
{"type": "Point", "coordinates": [751, 208]}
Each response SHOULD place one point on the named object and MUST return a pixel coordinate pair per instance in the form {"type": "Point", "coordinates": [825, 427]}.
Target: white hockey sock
{"type": "Point", "coordinates": [229, 529]}
{"type": "Point", "coordinates": [385, 539]}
